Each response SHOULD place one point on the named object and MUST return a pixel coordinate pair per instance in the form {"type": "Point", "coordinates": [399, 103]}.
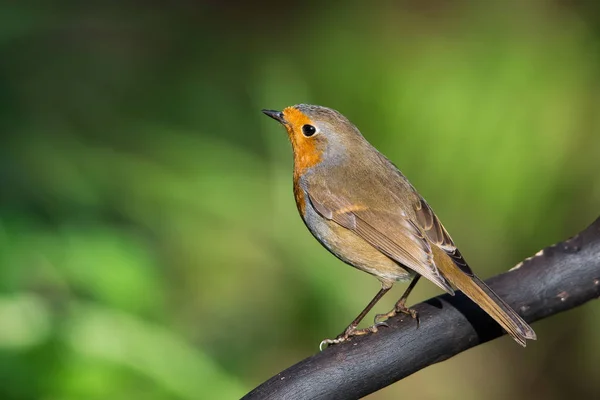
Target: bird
{"type": "Point", "coordinates": [362, 209]}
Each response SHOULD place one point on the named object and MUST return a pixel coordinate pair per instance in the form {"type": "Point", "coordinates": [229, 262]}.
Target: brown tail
{"type": "Point", "coordinates": [484, 297]}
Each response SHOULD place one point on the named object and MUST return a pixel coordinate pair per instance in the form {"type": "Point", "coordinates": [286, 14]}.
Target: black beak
{"type": "Point", "coordinates": [276, 115]}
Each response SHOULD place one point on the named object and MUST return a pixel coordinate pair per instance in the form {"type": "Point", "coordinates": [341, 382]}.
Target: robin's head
{"type": "Point", "coordinates": [317, 133]}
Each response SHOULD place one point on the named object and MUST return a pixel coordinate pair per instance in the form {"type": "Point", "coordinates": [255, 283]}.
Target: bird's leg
{"type": "Point", "coordinates": [400, 306]}
{"type": "Point", "coordinates": [351, 329]}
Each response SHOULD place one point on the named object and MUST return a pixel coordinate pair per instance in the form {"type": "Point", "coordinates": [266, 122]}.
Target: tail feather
{"type": "Point", "coordinates": [500, 311]}
{"type": "Point", "coordinates": [477, 290]}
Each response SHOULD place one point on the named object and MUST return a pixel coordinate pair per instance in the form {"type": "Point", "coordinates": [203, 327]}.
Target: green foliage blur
{"type": "Point", "coordinates": [149, 243]}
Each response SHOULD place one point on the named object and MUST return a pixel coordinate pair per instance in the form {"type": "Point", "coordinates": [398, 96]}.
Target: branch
{"type": "Point", "coordinates": [556, 279]}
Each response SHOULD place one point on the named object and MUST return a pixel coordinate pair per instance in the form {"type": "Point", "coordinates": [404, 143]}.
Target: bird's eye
{"type": "Point", "coordinates": [308, 130]}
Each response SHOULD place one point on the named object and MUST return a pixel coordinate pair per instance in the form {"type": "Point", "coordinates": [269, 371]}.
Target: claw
{"type": "Point", "coordinates": [337, 340]}
{"type": "Point", "coordinates": [341, 338]}
{"type": "Point", "coordinates": [415, 315]}
{"type": "Point", "coordinates": [377, 320]}
{"type": "Point", "coordinates": [323, 342]}
{"type": "Point", "coordinates": [380, 318]}
{"type": "Point", "coordinates": [349, 333]}
{"type": "Point", "coordinates": [330, 342]}
{"type": "Point", "coordinates": [380, 323]}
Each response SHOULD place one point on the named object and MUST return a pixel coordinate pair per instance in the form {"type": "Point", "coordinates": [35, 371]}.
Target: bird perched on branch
{"type": "Point", "coordinates": [359, 206]}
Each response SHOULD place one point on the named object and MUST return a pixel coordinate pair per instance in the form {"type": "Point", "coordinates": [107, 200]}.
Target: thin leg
{"type": "Point", "coordinates": [351, 329]}
{"type": "Point", "coordinates": [400, 306]}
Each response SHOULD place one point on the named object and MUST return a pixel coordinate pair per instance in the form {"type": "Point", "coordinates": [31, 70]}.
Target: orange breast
{"type": "Point", "coordinates": [299, 196]}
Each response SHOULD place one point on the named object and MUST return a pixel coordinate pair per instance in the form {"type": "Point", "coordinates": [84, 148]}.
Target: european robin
{"type": "Point", "coordinates": [360, 207]}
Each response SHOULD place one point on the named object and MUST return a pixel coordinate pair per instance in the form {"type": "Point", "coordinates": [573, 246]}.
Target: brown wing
{"type": "Point", "coordinates": [437, 234]}
{"type": "Point", "coordinates": [394, 234]}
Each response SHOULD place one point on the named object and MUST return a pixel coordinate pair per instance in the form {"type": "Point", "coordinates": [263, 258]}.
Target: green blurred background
{"type": "Point", "coordinates": [150, 247]}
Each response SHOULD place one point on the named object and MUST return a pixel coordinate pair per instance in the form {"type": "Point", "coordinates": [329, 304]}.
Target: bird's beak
{"type": "Point", "coordinates": [276, 115]}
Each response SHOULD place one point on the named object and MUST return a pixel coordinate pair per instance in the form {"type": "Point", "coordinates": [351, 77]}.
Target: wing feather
{"type": "Point", "coordinates": [394, 234]}
{"type": "Point", "coordinates": [437, 234]}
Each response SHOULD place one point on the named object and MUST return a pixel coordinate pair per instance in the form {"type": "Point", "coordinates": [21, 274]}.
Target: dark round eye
{"type": "Point", "coordinates": [308, 130]}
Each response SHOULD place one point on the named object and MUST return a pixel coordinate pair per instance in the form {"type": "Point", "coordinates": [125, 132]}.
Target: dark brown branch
{"type": "Point", "coordinates": [557, 279]}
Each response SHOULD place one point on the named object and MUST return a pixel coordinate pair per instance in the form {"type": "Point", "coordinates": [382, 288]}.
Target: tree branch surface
{"type": "Point", "coordinates": [556, 279]}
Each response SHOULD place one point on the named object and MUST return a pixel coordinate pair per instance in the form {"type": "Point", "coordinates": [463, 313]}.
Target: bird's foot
{"type": "Point", "coordinates": [399, 308]}
{"type": "Point", "coordinates": [350, 332]}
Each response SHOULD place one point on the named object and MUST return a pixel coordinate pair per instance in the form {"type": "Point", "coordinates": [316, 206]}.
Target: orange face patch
{"type": "Point", "coordinates": [306, 153]}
